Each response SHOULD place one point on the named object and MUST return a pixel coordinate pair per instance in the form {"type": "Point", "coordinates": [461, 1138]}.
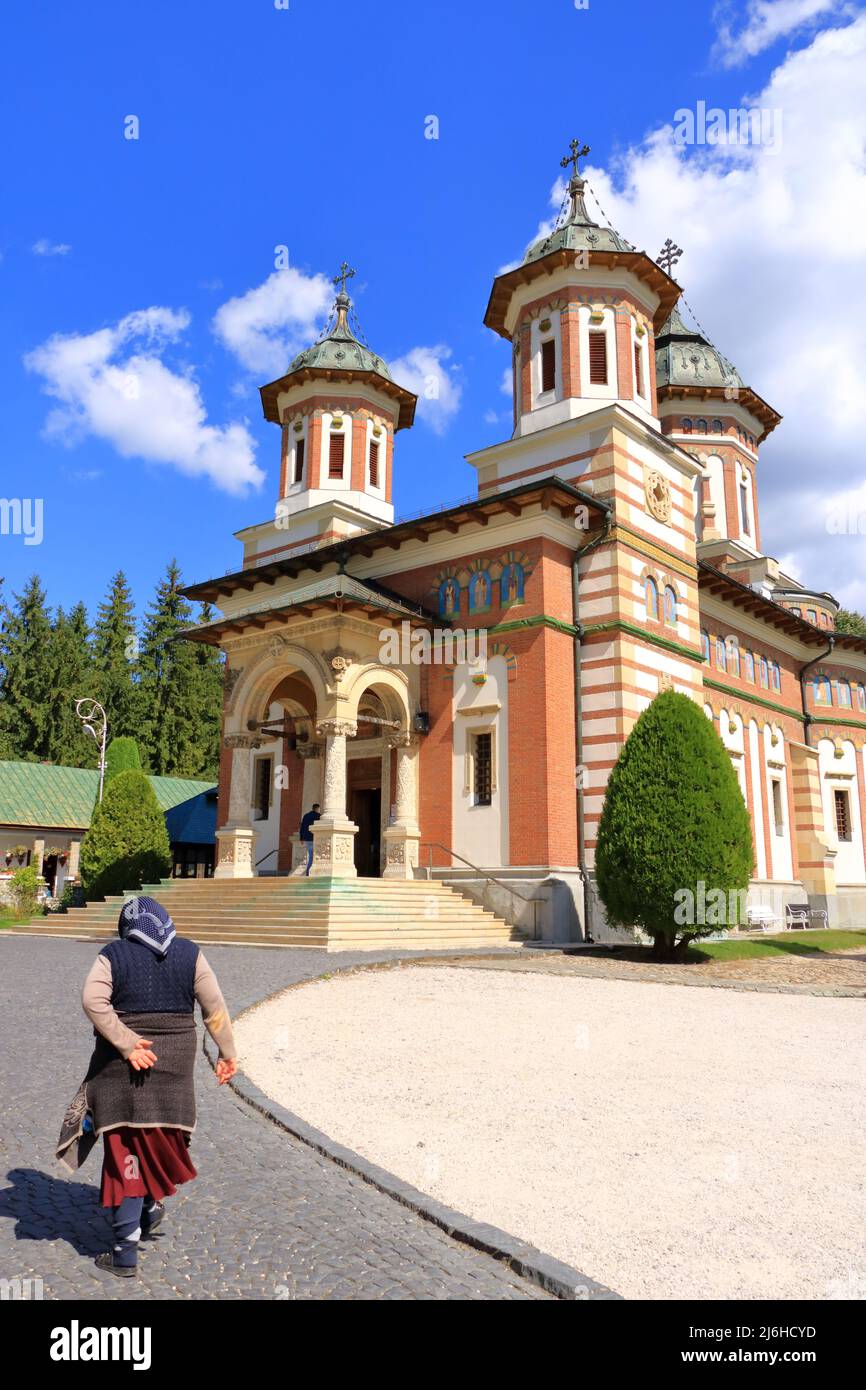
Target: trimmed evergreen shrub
{"type": "Point", "coordinates": [24, 888]}
{"type": "Point", "coordinates": [127, 843]}
{"type": "Point", "coordinates": [122, 756]}
{"type": "Point", "coordinates": [674, 849]}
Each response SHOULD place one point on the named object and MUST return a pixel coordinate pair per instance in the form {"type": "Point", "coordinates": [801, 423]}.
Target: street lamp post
{"type": "Point", "coordinates": [92, 716]}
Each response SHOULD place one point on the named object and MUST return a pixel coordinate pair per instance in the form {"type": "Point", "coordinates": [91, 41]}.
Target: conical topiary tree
{"type": "Point", "coordinates": [674, 848]}
{"type": "Point", "coordinates": [127, 843]}
{"type": "Point", "coordinates": [122, 756]}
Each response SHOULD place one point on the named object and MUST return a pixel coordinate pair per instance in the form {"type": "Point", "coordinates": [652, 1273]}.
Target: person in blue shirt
{"type": "Point", "coordinates": [307, 823]}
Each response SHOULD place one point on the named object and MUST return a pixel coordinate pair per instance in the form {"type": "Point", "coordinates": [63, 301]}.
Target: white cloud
{"type": "Point", "coordinates": [767, 21]}
{"type": "Point", "coordinates": [506, 385]}
{"type": "Point", "coordinates": [269, 324]}
{"type": "Point", "coordinates": [44, 247]}
{"type": "Point", "coordinates": [775, 267]}
{"type": "Point", "coordinates": [423, 370]}
{"type": "Point", "coordinates": [113, 384]}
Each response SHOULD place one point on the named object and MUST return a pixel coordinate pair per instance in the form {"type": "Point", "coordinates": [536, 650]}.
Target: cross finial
{"type": "Point", "coordinates": [669, 255]}
{"type": "Point", "coordinates": [345, 274]}
{"type": "Point", "coordinates": [578, 152]}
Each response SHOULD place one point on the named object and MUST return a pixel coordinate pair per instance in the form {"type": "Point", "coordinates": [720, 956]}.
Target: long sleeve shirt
{"type": "Point", "coordinates": [96, 1002]}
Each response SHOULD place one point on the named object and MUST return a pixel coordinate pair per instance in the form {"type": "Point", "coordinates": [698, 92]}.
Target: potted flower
{"type": "Point", "coordinates": [20, 852]}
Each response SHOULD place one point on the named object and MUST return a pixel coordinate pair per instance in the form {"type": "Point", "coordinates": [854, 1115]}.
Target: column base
{"type": "Point", "coordinates": [235, 855]}
{"type": "Point", "coordinates": [334, 849]}
{"type": "Point", "coordinates": [401, 851]}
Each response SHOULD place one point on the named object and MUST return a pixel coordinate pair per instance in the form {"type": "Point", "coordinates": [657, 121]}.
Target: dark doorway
{"type": "Point", "coordinates": [365, 809]}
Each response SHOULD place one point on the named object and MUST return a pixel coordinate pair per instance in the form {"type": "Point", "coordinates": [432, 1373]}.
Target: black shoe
{"type": "Point", "coordinates": [106, 1261]}
{"type": "Point", "coordinates": [150, 1220]}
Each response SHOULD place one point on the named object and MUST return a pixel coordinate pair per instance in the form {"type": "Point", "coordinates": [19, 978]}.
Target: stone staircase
{"type": "Point", "coordinates": [339, 914]}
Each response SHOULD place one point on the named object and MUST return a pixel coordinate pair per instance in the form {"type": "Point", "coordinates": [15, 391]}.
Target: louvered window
{"type": "Point", "coordinates": [299, 461]}
{"type": "Point", "coordinates": [598, 357]}
{"type": "Point", "coordinates": [548, 365]}
{"type": "Point", "coordinates": [638, 370]}
{"type": "Point", "coordinates": [483, 770]}
{"type": "Point", "coordinates": [374, 464]}
{"type": "Point", "coordinates": [843, 817]}
{"type": "Point", "coordinates": [336, 454]}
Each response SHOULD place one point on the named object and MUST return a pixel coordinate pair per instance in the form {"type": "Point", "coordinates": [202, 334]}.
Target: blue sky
{"type": "Point", "coordinates": [152, 260]}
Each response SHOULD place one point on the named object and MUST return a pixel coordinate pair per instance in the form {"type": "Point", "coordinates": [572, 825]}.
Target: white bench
{"type": "Point", "coordinates": [762, 918]}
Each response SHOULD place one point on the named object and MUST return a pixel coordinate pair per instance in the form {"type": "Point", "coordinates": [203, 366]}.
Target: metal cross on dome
{"type": "Point", "coordinates": [578, 152]}
{"type": "Point", "coordinates": [345, 274]}
{"type": "Point", "coordinates": [669, 255]}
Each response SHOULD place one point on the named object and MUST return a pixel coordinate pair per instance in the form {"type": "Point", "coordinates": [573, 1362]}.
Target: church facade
{"type": "Point", "coordinates": [455, 689]}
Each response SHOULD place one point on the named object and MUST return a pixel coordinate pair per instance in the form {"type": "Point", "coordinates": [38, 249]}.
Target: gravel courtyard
{"type": "Point", "coordinates": [672, 1143]}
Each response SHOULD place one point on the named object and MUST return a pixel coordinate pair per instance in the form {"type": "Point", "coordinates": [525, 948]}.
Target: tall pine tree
{"type": "Point", "coordinates": [210, 665]}
{"type": "Point", "coordinates": [72, 667]}
{"type": "Point", "coordinates": [171, 734]}
{"type": "Point", "coordinates": [29, 701]}
{"type": "Point", "coordinates": [115, 660]}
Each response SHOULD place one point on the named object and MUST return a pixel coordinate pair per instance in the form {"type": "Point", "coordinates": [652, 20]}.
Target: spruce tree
{"type": "Point", "coordinates": [209, 695]}
{"type": "Point", "coordinates": [72, 667]}
{"type": "Point", "coordinates": [29, 699]}
{"type": "Point", "coordinates": [675, 830]}
{"type": "Point", "coordinates": [115, 659]}
{"type": "Point", "coordinates": [171, 731]}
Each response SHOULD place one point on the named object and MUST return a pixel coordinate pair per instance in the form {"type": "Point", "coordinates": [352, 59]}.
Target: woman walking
{"type": "Point", "coordinates": [139, 1092]}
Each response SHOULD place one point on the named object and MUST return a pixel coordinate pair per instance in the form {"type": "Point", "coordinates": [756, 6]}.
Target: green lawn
{"type": "Point", "coordinates": [788, 943]}
{"type": "Point", "coordinates": [8, 917]}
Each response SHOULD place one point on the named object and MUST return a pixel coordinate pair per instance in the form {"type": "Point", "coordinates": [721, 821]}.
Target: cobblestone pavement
{"type": "Point", "coordinates": [267, 1217]}
{"type": "Point", "coordinates": [840, 973]}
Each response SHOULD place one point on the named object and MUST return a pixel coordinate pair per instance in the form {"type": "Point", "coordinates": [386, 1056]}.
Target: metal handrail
{"type": "Point", "coordinates": [489, 878]}
{"type": "Point", "coordinates": [265, 856]}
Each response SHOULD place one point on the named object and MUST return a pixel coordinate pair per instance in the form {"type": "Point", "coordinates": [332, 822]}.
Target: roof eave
{"type": "Point", "coordinates": [269, 393]}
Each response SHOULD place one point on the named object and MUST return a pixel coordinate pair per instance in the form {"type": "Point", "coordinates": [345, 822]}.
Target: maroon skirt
{"type": "Point", "coordinates": [144, 1163]}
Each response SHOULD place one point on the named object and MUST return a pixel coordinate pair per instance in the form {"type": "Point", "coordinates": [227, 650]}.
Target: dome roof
{"type": "Point", "coordinates": [338, 349]}
{"type": "Point", "coordinates": [685, 358]}
{"type": "Point", "coordinates": [578, 232]}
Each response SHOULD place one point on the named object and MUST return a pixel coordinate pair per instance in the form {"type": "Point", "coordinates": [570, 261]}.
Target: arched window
{"type": "Point", "coordinates": [705, 644]}
{"type": "Point", "coordinates": [765, 673]}
{"type": "Point", "coordinates": [651, 598]}
{"type": "Point", "coordinates": [812, 615]}
{"type": "Point", "coordinates": [702, 427]}
{"type": "Point", "coordinates": [797, 612]}
{"type": "Point", "coordinates": [670, 606]}
{"type": "Point", "coordinates": [843, 690]}
{"type": "Point", "coordinates": [718, 427]}
{"type": "Point", "coordinates": [823, 691]}
{"type": "Point", "coordinates": [721, 655]}
{"type": "Point", "coordinates": [733, 656]}
{"type": "Point", "coordinates": [749, 667]}
{"type": "Point", "coordinates": [687, 425]}
{"type": "Point", "coordinates": [861, 697]}
{"type": "Point", "coordinates": [775, 676]}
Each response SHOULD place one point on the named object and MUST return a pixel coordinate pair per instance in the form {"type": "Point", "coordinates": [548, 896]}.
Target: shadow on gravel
{"type": "Point", "coordinates": [45, 1207]}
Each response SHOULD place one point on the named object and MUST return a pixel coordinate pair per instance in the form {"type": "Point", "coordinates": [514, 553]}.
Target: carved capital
{"type": "Point", "coordinates": [336, 728]}
{"type": "Point", "coordinates": [309, 750]}
{"type": "Point", "coordinates": [241, 741]}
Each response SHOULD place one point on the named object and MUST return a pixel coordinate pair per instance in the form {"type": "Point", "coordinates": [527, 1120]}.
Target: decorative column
{"type": "Point", "coordinates": [236, 841]}
{"type": "Point", "coordinates": [74, 856]}
{"type": "Point", "coordinates": [333, 833]}
{"type": "Point", "coordinates": [311, 756]}
{"type": "Point", "coordinates": [403, 838]}
{"type": "Point", "coordinates": [816, 851]}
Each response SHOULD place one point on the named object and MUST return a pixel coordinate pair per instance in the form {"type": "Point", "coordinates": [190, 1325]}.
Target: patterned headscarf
{"type": "Point", "coordinates": [146, 920]}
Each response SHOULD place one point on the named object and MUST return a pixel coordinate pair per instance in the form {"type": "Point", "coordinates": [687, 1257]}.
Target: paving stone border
{"type": "Point", "coordinates": [552, 1275]}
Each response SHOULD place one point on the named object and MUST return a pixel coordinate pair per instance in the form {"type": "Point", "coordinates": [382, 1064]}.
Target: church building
{"type": "Point", "coordinates": [455, 689]}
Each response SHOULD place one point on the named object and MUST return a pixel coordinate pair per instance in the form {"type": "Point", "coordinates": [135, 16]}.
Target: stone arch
{"type": "Point", "coordinates": [265, 672]}
{"type": "Point", "coordinates": [390, 684]}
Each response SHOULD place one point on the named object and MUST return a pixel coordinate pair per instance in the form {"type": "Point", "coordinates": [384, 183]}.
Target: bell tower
{"type": "Point", "coordinates": [338, 409]}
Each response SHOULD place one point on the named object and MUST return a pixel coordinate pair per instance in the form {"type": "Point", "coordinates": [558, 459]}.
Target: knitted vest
{"type": "Point", "coordinates": [145, 983]}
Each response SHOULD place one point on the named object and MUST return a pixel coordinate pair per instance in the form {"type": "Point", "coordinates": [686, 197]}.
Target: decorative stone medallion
{"type": "Point", "coordinates": [658, 496]}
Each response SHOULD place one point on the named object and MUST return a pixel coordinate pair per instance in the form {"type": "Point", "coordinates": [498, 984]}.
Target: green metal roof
{"type": "Point", "coordinates": [578, 232]}
{"type": "Point", "coordinates": [339, 350]}
{"type": "Point", "coordinates": [44, 794]}
{"type": "Point", "coordinates": [685, 358]}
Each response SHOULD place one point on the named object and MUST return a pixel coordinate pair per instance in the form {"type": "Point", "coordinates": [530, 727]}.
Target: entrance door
{"type": "Point", "coordinates": [366, 812]}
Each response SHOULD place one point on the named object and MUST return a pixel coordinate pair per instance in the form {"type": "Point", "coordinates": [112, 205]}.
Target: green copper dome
{"type": "Point", "coordinates": [685, 358]}
{"type": "Point", "coordinates": [578, 232]}
{"type": "Point", "coordinates": [338, 349]}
